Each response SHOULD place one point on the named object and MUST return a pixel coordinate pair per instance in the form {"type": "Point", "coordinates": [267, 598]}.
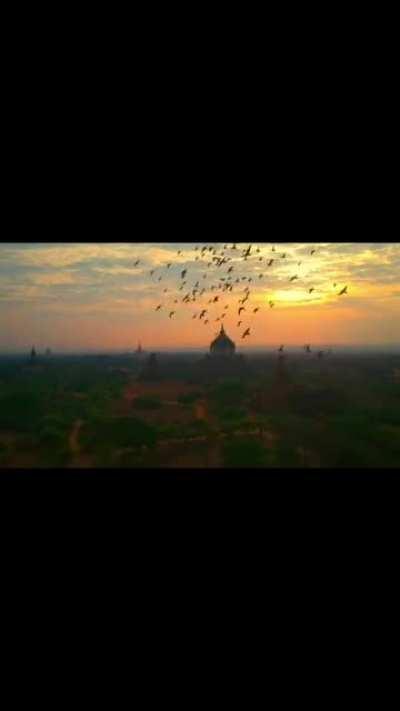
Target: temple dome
{"type": "Point", "coordinates": [222, 345]}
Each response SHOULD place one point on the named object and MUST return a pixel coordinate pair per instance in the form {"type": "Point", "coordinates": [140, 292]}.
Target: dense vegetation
{"type": "Point", "coordinates": [341, 413]}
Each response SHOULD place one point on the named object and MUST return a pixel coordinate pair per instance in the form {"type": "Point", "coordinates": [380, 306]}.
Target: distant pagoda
{"type": "Point", "coordinates": [222, 346]}
{"type": "Point", "coordinates": [139, 351]}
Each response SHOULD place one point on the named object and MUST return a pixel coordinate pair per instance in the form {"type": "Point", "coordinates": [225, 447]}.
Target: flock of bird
{"type": "Point", "coordinates": [222, 276]}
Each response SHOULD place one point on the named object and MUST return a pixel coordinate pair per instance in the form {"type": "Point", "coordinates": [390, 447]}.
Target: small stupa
{"type": "Point", "coordinates": [139, 353]}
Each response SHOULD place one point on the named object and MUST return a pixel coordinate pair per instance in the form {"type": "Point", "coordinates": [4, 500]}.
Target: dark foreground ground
{"type": "Point", "coordinates": [343, 411]}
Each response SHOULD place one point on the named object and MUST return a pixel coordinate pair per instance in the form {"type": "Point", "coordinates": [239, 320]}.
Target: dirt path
{"type": "Point", "coordinates": [74, 437]}
{"type": "Point", "coordinates": [201, 412]}
{"type": "Point", "coordinates": [78, 459]}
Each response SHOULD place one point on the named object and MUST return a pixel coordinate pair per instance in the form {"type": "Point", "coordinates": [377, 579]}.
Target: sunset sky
{"type": "Point", "coordinates": [91, 296]}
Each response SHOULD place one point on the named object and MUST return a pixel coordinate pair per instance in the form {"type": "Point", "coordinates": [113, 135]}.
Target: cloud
{"type": "Point", "coordinates": [100, 282]}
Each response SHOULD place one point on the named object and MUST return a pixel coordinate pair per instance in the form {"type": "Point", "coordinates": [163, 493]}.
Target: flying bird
{"type": "Point", "coordinates": [246, 333]}
{"type": "Point", "coordinates": [159, 307]}
{"type": "Point", "coordinates": [242, 308]}
{"type": "Point", "coordinates": [183, 274]}
{"type": "Point", "coordinates": [344, 291]}
{"type": "Point", "coordinates": [311, 290]}
{"type": "Point", "coordinates": [312, 252]}
{"type": "Point", "coordinates": [171, 314]}
{"type": "Point", "coordinates": [293, 278]}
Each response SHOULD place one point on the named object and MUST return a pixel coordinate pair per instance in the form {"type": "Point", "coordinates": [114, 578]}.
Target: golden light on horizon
{"type": "Point", "coordinates": [76, 295]}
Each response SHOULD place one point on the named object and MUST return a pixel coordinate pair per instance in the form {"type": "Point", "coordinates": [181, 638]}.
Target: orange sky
{"type": "Point", "coordinates": [92, 296]}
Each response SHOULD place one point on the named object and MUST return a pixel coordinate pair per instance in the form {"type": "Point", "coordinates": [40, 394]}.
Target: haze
{"type": "Point", "coordinates": [77, 297]}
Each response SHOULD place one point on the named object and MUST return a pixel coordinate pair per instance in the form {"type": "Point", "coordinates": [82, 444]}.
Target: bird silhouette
{"type": "Point", "coordinates": [136, 263]}
{"type": "Point", "coordinates": [239, 323]}
{"type": "Point", "coordinates": [183, 274]}
{"type": "Point", "coordinates": [246, 333]}
{"type": "Point", "coordinates": [159, 307]}
{"type": "Point", "coordinates": [171, 314]}
{"type": "Point", "coordinates": [344, 291]}
{"type": "Point", "coordinates": [255, 310]}
{"type": "Point", "coordinates": [312, 252]}
{"type": "Point", "coordinates": [311, 290]}
{"type": "Point", "coordinates": [293, 278]}
{"type": "Point", "coordinates": [242, 308]}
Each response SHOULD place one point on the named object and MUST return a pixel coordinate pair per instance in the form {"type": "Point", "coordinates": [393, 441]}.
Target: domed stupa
{"type": "Point", "coordinates": [222, 346]}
